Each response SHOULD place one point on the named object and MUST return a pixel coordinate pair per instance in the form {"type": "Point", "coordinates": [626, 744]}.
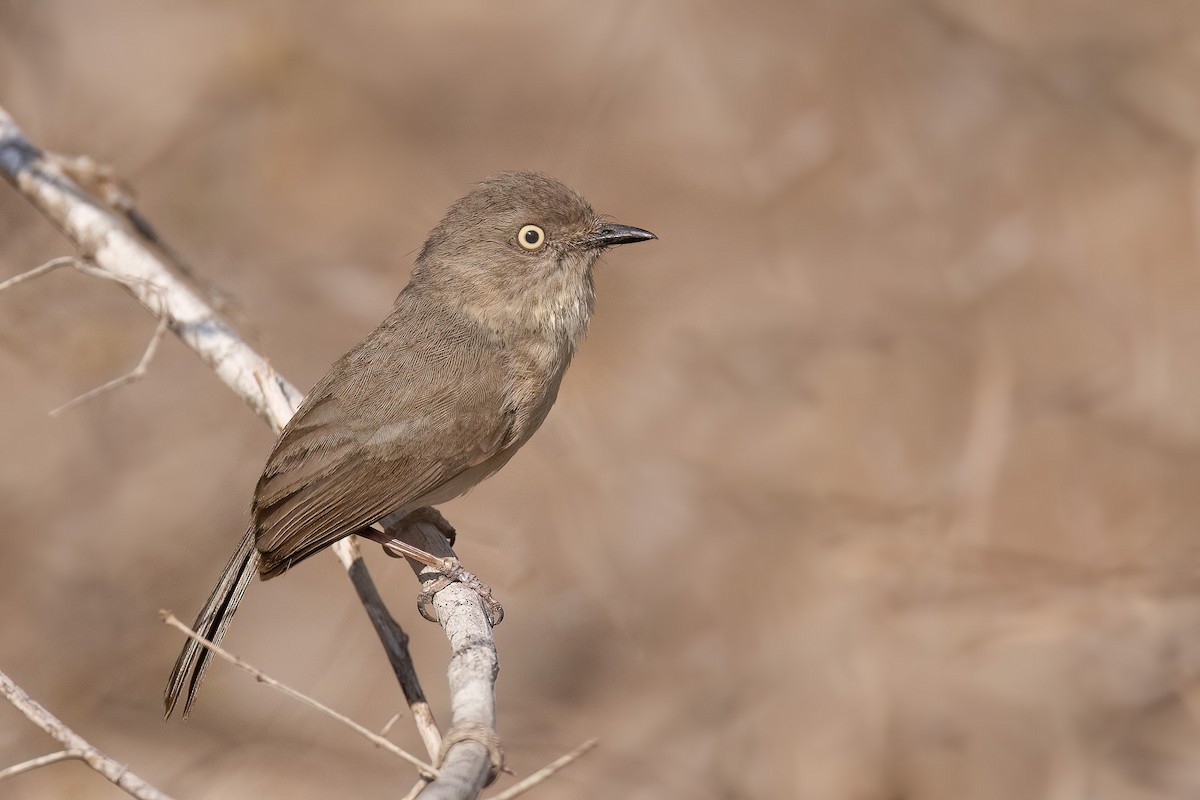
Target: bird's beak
{"type": "Point", "coordinates": [611, 233]}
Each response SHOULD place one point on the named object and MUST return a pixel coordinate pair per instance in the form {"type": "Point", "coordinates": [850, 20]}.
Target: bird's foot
{"type": "Point", "coordinates": [441, 569]}
{"type": "Point", "coordinates": [451, 571]}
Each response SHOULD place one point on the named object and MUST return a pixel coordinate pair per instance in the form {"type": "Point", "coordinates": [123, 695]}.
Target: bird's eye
{"type": "Point", "coordinates": [531, 237]}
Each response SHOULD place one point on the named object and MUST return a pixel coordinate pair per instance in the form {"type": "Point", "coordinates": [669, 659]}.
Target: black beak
{"type": "Point", "coordinates": [611, 233]}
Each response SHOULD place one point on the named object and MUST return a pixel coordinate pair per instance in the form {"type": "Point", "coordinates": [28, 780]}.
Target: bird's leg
{"type": "Point", "coordinates": [405, 525]}
{"type": "Point", "coordinates": [397, 538]}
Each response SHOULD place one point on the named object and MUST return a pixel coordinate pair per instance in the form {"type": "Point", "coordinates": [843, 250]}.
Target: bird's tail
{"type": "Point", "coordinates": [211, 624]}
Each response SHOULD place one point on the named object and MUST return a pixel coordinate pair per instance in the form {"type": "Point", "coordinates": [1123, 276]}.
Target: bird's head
{"type": "Point", "coordinates": [517, 253]}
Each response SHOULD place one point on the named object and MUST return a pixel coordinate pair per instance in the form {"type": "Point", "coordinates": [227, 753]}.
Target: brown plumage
{"type": "Point", "coordinates": [438, 397]}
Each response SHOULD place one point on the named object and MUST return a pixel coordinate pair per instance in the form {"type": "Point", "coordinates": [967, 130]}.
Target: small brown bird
{"type": "Point", "coordinates": [438, 397]}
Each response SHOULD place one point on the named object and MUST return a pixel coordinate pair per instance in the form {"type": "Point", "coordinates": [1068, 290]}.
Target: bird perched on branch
{"type": "Point", "coordinates": [434, 400]}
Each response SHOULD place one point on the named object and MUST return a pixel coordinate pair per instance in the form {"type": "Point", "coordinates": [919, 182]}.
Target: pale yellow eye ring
{"type": "Point", "coordinates": [531, 237]}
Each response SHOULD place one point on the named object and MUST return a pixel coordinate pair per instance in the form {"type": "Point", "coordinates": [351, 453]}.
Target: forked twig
{"type": "Point", "coordinates": [262, 677]}
{"type": "Point", "coordinates": [134, 374]}
{"type": "Point", "coordinates": [74, 745]}
{"type": "Point", "coordinates": [138, 372]}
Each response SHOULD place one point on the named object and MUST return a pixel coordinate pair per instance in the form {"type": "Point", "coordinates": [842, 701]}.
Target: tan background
{"type": "Point", "coordinates": [876, 478]}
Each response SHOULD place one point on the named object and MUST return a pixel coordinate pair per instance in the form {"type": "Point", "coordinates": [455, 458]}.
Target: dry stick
{"type": "Point", "coordinates": [138, 372]}
{"type": "Point", "coordinates": [262, 677]}
{"type": "Point", "coordinates": [102, 239]}
{"type": "Point", "coordinates": [75, 745]}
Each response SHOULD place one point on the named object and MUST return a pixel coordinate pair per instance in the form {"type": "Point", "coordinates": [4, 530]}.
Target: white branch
{"type": "Point", "coordinates": [103, 240]}
{"type": "Point", "coordinates": [75, 746]}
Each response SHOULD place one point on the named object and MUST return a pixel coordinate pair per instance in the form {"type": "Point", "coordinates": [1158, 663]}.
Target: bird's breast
{"type": "Point", "coordinates": [535, 368]}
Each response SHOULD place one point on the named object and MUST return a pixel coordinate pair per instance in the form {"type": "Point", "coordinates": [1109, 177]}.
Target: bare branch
{"type": "Point", "coordinates": [76, 745]}
{"type": "Point", "coordinates": [104, 240]}
{"type": "Point", "coordinates": [134, 374]}
{"type": "Point", "coordinates": [546, 772]}
{"type": "Point", "coordinates": [262, 677]}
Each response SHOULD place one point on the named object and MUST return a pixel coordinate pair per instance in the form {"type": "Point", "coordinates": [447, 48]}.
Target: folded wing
{"type": "Point", "coordinates": [415, 405]}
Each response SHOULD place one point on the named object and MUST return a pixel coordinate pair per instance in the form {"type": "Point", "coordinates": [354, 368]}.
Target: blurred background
{"type": "Point", "coordinates": [876, 477]}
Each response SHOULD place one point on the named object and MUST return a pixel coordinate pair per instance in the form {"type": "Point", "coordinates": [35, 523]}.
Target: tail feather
{"type": "Point", "coordinates": [212, 623]}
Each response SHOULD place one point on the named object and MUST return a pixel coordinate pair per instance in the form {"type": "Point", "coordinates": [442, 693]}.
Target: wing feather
{"type": "Point", "coordinates": [419, 403]}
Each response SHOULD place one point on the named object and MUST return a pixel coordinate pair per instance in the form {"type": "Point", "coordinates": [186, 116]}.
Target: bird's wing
{"type": "Point", "coordinates": [419, 402]}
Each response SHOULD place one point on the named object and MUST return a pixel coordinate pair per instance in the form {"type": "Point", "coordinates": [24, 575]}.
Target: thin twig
{"type": "Point", "coordinates": [139, 371]}
{"type": "Point", "coordinates": [38, 271]}
{"type": "Point", "coordinates": [40, 761]}
{"type": "Point", "coordinates": [545, 772]}
{"type": "Point", "coordinates": [387, 726]}
{"type": "Point", "coordinates": [134, 374]}
{"type": "Point", "coordinates": [76, 745]}
{"type": "Point", "coordinates": [262, 677]}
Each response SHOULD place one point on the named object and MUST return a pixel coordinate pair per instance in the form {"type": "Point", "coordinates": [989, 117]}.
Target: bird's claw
{"type": "Point", "coordinates": [452, 572]}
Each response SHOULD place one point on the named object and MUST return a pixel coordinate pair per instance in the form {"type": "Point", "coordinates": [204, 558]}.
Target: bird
{"type": "Point", "coordinates": [437, 398]}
